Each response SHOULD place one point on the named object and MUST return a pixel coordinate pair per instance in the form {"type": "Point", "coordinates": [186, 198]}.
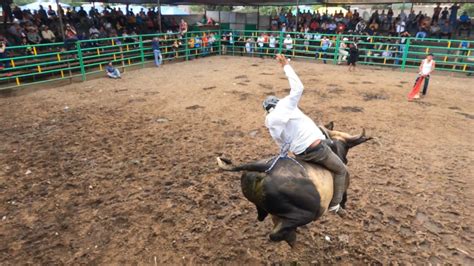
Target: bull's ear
{"type": "Point", "coordinates": [330, 125]}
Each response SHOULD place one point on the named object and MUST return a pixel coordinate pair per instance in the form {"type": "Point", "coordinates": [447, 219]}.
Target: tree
{"type": "Point", "coordinates": [469, 8]}
{"type": "Point", "coordinates": [202, 8]}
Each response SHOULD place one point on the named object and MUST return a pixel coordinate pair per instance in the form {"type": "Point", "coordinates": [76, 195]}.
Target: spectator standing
{"type": "Point", "coordinates": [155, 44]}
{"type": "Point", "coordinates": [325, 44]}
{"type": "Point", "coordinates": [7, 12]}
{"type": "Point", "coordinates": [454, 14]}
{"type": "Point", "coordinates": [465, 24]}
{"type": "Point", "coordinates": [112, 72]}
{"type": "Point", "coordinates": [261, 44]}
{"type": "Point", "coordinates": [272, 41]}
{"type": "Point", "coordinates": [444, 13]}
{"type": "Point", "coordinates": [436, 12]}
{"type": "Point", "coordinates": [51, 12]}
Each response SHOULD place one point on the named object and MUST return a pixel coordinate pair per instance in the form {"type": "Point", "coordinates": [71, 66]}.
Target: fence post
{"type": "Point", "coordinates": [186, 45]}
{"type": "Point", "coordinates": [405, 54]}
{"type": "Point", "coordinates": [219, 42]}
{"type": "Point", "coordinates": [280, 43]}
{"type": "Point", "coordinates": [81, 60]}
{"type": "Point", "coordinates": [336, 48]}
{"type": "Point", "coordinates": [142, 52]}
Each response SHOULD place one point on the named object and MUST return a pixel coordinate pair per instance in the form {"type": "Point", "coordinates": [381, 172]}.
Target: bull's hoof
{"type": "Point", "coordinates": [288, 235]}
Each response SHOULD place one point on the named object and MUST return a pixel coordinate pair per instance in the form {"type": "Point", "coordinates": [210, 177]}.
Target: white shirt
{"type": "Point", "coordinates": [290, 128]}
{"type": "Point", "coordinates": [288, 42]}
{"type": "Point", "coordinates": [272, 42]}
{"type": "Point", "coordinates": [427, 67]}
{"type": "Point", "coordinates": [260, 41]}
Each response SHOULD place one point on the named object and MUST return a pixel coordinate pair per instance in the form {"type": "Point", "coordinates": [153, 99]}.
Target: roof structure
{"type": "Point", "coordinates": [276, 2]}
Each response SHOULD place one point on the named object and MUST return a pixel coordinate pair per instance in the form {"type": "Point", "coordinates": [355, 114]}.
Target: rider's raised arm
{"type": "Point", "coordinates": [296, 86]}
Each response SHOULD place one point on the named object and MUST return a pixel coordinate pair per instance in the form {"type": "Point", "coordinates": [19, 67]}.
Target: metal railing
{"type": "Point", "coordinates": [34, 64]}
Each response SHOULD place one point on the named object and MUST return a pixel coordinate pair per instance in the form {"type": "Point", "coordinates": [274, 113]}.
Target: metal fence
{"type": "Point", "coordinates": [34, 64]}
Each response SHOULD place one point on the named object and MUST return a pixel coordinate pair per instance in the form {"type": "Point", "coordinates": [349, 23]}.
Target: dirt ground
{"type": "Point", "coordinates": [124, 171]}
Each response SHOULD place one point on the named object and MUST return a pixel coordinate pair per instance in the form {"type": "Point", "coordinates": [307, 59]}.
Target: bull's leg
{"type": "Point", "coordinates": [262, 214]}
{"type": "Point", "coordinates": [280, 232]}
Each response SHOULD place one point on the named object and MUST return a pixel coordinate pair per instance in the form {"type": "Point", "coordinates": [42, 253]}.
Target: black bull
{"type": "Point", "coordinates": [293, 193]}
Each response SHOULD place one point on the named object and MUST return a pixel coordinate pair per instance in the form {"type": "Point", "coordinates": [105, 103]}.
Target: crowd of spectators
{"type": "Point", "coordinates": [443, 22]}
{"type": "Point", "coordinates": [28, 27]}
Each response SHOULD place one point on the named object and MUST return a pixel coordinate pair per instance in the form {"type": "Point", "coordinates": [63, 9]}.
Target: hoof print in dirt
{"type": "Point", "coordinates": [335, 90]}
{"type": "Point", "coordinates": [234, 133]}
{"type": "Point", "coordinates": [194, 107]}
{"type": "Point", "coordinates": [137, 100]}
{"type": "Point", "coordinates": [209, 88]}
{"type": "Point", "coordinates": [367, 82]}
{"type": "Point", "coordinates": [369, 96]}
{"type": "Point", "coordinates": [241, 77]}
{"type": "Point", "coordinates": [267, 74]}
{"type": "Point", "coordinates": [265, 86]}
{"type": "Point", "coordinates": [454, 108]}
{"type": "Point", "coordinates": [425, 103]}
{"type": "Point", "coordinates": [352, 109]}
{"type": "Point", "coordinates": [468, 116]}
{"type": "Point", "coordinates": [242, 84]}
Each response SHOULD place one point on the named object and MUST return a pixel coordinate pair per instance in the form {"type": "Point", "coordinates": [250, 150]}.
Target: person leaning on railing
{"type": "Point", "coordinates": [3, 54]}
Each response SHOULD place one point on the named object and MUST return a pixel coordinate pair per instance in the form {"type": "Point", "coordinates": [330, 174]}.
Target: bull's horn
{"type": "Point", "coordinates": [223, 164]}
{"type": "Point", "coordinates": [361, 135]}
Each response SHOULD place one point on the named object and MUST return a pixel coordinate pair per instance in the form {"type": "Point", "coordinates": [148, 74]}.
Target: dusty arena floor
{"type": "Point", "coordinates": [123, 171]}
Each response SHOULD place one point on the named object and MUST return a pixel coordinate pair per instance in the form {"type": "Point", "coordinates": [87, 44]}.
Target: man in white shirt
{"type": "Point", "coordinates": [294, 131]}
{"type": "Point", "coordinates": [288, 44]}
{"type": "Point", "coordinates": [426, 67]}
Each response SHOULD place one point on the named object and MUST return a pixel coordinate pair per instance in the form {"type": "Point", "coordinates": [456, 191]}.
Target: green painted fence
{"type": "Point", "coordinates": [29, 65]}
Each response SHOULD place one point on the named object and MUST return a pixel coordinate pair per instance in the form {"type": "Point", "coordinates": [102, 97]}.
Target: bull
{"type": "Point", "coordinates": [293, 192]}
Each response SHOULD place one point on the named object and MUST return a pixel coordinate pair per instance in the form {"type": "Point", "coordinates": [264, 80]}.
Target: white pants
{"type": "Point", "coordinates": [342, 55]}
{"type": "Point", "coordinates": [114, 75]}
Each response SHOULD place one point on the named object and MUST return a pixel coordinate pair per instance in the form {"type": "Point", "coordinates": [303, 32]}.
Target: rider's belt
{"type": "Point", "coordinates": [316, 145]}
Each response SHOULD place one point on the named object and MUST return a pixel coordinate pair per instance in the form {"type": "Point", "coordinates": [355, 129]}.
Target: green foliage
{"type": "Point", "coordinates": [469, 8]}
{"type": "Point", "coordinates": [202, 8]}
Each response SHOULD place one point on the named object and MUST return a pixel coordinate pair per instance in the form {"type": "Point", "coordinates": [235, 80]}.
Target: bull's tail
{"type": "Point", "coordinates": [259, 166]}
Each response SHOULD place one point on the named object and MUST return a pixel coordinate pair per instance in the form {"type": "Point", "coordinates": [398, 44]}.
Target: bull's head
{"type": "Point", "coordinates": [343, 141]}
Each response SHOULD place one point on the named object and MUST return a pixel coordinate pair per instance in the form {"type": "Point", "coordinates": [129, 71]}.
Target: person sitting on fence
{"type": "Point", "coordinates": [48, 35]}
{"type": "Point", "coordinates": [155, 44]}
{"type": "Point", "coordinates": [112, 72]}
